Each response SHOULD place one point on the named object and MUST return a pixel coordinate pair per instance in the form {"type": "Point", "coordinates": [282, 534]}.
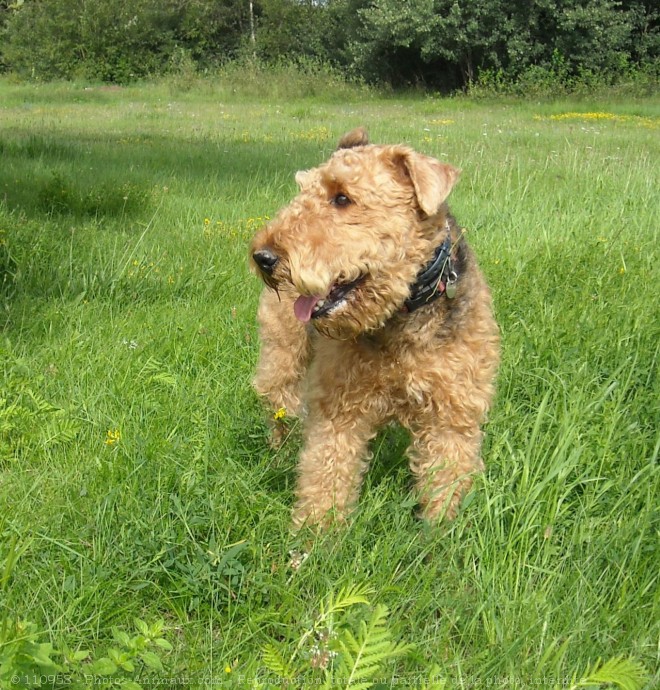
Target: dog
{"type": "Point", "coordinates": [374, 310]}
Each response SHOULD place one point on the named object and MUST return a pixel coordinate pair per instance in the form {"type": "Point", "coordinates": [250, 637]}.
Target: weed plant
{"type": "Point", "coordinates": [136, 483]}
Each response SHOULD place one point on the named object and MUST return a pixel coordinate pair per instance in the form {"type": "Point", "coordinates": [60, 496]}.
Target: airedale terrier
{"type": "Point", "coordinates": [375, 311]}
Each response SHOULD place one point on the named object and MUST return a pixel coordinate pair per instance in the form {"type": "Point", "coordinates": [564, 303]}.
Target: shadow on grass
{"type": "Point", "coordinates": [388, 448]}
{"type": "Point", "coordinates": [71, 207]}
{"type": "Point", "coordinates": [114, 177]}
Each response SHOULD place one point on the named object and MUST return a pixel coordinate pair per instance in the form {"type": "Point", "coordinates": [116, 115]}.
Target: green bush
{"type": "Point", "coordinates": [302, 78]}
{"type": "Point", "coordinates": [443, 44]}
{"type": "Point", "coordinates": [554, 81]}
{"type": "Point", "coordinates": [112, 41]}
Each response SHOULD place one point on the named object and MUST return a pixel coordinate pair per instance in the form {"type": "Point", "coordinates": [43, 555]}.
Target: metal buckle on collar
{"type": "Point", "coordinates": [437, 278]}
{"type": "Point", "coordinates": [452, 278]}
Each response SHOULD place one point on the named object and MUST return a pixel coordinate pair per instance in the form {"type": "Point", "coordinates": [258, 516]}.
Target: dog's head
{"type": "Point", "coordinates": [351, 243]}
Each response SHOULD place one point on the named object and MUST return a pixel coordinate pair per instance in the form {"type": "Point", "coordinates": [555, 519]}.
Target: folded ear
{"type": "Point", "coordinates": [431, 179]}
{"type": "Point", "coordinates": [356, 137]}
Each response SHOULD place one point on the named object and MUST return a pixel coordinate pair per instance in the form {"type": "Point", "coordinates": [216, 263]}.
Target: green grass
{"type": "Point", "coordinates": [135, 478]}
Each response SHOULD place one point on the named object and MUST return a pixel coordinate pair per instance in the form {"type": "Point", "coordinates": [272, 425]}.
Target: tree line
{"type": "Point", "coordinates": [443, 44]}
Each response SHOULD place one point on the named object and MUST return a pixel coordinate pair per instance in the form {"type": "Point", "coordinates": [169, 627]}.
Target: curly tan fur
{"type": "Point", "coordinates": [371, 218]}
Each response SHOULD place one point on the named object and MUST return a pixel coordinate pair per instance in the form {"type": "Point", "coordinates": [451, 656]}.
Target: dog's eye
{"type": "Point", "coordinates": [340, 200]}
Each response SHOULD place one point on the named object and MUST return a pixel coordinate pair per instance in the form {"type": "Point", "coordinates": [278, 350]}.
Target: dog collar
{"type": "Point", "coordinates": [437, 278]}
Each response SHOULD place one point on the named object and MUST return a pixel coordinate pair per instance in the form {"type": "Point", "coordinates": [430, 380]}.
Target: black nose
{"type": "Point", "coordinates": [266, 260]}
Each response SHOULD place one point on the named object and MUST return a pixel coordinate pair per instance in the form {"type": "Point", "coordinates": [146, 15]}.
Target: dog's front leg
{"type": "Point", "coordinates": [284, 353]}
{"type": "Point", "coordinates": [332, 464]}
{"type": "Point", "coordinates": [444, 461]}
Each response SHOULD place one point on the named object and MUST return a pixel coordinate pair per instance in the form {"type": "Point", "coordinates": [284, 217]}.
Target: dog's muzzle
{"type": "Point", "coordinates": [266, 259]}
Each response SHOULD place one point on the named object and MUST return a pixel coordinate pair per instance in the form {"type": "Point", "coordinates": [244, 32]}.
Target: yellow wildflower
{"type": "Point", "coordinates": [112, 436]}
{"type": "Point", "coordinates": [313, 134]}
{"type": "Point", "coordinates": [649, 122]}
{"type": "Point", "coordinates": [280, 414]}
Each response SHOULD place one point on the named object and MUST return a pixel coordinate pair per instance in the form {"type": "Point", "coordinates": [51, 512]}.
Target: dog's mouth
{"type": "Point", "coordinates": [314, 307]}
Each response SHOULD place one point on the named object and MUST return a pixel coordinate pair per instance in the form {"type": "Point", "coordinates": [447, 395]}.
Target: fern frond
{"type": "Point", "coordinates": [41, 405]}
{"type": "Point", "coordinates": [346, 597]}
{"type": "Point", "coordinates": [58, 430]}
{"type": "Point", "coordinates": [627, 674]}
{"type": "Point", "coordinates": [361, 658]}
{"type": "Point", "coordinates": [274, 662]}
{"type": "Point", "coordinates": [154, 371]}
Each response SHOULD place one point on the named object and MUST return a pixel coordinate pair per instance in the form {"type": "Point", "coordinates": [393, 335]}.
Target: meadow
{"type": "Point", "coordinates": [144, 521]}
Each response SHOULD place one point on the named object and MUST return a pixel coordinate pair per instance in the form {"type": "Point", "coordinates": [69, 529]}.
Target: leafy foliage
{"type": "Point", "coordinates": [626, 674]}
{"type": "Point", "coordinates": [26, 662]}
{"type": "Point", "coordinates": [362, 657]}
{"type": "Point", "coordinates": [444, 43]}
{"type": "Point", "coordinates": [28, 420]}
{"type": "Point", "coordinates": [345, 651]}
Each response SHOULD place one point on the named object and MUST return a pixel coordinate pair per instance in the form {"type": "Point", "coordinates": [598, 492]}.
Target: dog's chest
{"type": "Point", "coordinates": [407, 375]}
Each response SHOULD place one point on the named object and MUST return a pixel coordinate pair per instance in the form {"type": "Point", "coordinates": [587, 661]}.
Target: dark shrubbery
{"type": "Point", "coordinates": [441, 44]}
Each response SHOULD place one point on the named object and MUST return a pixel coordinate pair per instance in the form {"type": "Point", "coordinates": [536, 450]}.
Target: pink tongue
{"type": "Point", "coordinates": [303, 307]}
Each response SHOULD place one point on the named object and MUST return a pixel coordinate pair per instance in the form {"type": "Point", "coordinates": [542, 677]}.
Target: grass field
{"type": "Point", "coordinates": [135, 479]}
